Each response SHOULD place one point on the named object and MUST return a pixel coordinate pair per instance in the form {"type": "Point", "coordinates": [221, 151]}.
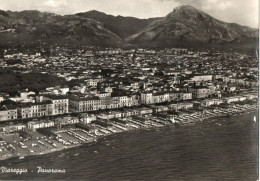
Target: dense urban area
{"type": "Point", "coordinates": [62, 97]}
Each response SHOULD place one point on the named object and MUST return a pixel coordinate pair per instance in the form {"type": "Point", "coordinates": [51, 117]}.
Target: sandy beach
{"type": "Point", "coordinates": [37, 144]}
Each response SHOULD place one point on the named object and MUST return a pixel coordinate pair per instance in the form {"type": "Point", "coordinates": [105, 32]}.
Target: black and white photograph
{"type": "Point", "coordinates": [129, 90]}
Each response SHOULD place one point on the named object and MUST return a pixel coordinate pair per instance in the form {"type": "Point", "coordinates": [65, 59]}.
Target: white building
{"type": "Point", "coordinates": [36, 125]}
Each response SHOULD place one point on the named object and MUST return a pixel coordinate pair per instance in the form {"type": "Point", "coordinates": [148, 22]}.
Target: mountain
{"type": "Point", "coordinates": [188, 26]}
{"type": "Point", "coordinates": [185, 26]}
{"type": "Point", "coordinates": [122, 26]}
{"type": "Point", "coordinates": [34, 26]}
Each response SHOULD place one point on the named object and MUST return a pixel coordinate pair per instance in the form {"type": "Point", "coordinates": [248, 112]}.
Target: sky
{"type": "Point", "coordinates": [243, 12]}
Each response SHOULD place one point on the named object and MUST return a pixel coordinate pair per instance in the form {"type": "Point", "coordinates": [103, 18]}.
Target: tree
{"type": "Point", "coordinates": [159, 74]}
{"type": "Point", "coordinates": [8, 102]}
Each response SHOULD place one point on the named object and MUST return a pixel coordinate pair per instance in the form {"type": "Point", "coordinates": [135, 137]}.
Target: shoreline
{"type": "Point", "coordinates": [191, 122]}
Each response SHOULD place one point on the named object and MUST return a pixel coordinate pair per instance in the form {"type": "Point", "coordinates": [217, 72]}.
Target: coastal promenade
{"type": "Point", "coordinates": [53, 139]}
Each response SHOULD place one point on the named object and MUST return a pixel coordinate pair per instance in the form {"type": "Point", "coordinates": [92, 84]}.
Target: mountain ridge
{"type": "Point", "coordinates": [184, 26]}
{"type": "Point", "coordinates": [187, 25]}
{"type": "Point", "coordinates": [123, 26]}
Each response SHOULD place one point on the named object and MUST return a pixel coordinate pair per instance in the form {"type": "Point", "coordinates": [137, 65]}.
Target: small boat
{"type": "Point", "coordinates": [255, 119]}
{"type": "Point", "coordinates": [202, 133]}
{"type": "Point", "coordinates": [21, 157]}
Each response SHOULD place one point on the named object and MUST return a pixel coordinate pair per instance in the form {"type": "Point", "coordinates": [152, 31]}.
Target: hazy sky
{"type": "Point", "coordinates": [244, 12]}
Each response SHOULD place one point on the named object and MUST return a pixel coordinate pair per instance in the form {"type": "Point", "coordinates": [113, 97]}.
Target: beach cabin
{"type": "Point", "coordinates": [187, 105]}
{"type": "Point", "coordinates": [66, 120]}
{"type": "Point", "coordinates": [231, 99]}
{"type": "Point", "coordinates": [217, 101]}
{"type": "Point", "coordinates": [117, 114]}
{"type": "Point", "coordinates": [127, 113]}
{"type": "Point", "coordinates": [108, 115]}
{"type": "Point", "coordinates": [178, 106]}
{"type": "Point", "coordinates": [241, 98]}
{"type": "Point", "coordinates": [159, 108]}
{"type": "Point", "coordinates": [208, 102]}
{"type": "Point", "coordinates": [145, 111]}
{"type": "Point", "coordinates": [86, 118]}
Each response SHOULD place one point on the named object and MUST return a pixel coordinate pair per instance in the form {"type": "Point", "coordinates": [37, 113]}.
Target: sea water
{"type": "Point", "coordinates": [223, 148]}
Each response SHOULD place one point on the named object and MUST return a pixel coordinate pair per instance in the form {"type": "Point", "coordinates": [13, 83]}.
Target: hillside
{"type": "Point", "coordinates": [122, 26]}
{"type": "Point", "coordinates": [33, 26]}
{"type": "Point", "coordinates": [185, 26]}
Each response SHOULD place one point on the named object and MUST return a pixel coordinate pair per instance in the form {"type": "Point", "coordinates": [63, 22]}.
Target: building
{"type": "Point", "coordinates": [65, 120]}
{"type": "Point", "coordinates": [105, 99]}
{"type": "Point", "coordinates": [131, 112]}
{"type": "Point", "coordinates": [241, 98]}
{"type": "Point", "coordinates": [184, 105]}
{"type": "Point", "coordinates": [86, 118]}
{"type": "Point", "coordinates": [200, 92]}
{"type": "Point", "coordinates": [36, 125]}
{"type": "Point", "coordinates": [85, 104]}
{"type": "Point", "coordinates": [25, 93]}
{"type": "Point", "coordinates": [105, 116]}
{"type": "Point", "coordinates": [133, 100]}
{"type": "Point", "coordinates": [217, 101]}
{"type": "Point", "coordinates": [200, 78]}
{"type": "Point", "coordinates": [145, 111]}
{"type": "Point", "coordinates": [187, 96]}
{"type": "Point", "coordinates": [159, 108]}
{"type": "Point", "coordinates": [231, 99]}
{"type": "Point", "coordinates": [64, 90]}
{"type": "Point", "coordinates": [8, 113]}
{"type": "Point", "coordinates": [42, 108]}
{"type": "Point", "coordinates": [208, 102]}
{"type": "Point", "coordinates": [24, 111]}
{"type": "Point", "coordinates": [13, 128]}
{"type": "Point", "coordinates": [93, 82]}
{"type": "Point", "coordinates": [119, 101]}
{"type": "Point", "coordinates": [176, 96]}
{"type": "Point", "coordinates": [147, 98]}
{"type": "Point", "coordinates": [160, 97]}
{"type": "Point", "coordinates": [251, 96]}
{"type": "Point", "coordinates": [117, 114]}
{"type": "Point", "coordinates": [60, 103]}
{"type": "Point", "coordinates": [3, 96]}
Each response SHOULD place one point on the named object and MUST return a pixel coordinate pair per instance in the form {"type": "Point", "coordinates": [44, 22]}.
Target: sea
{"type": "Point", "coordinates": [218, 149]}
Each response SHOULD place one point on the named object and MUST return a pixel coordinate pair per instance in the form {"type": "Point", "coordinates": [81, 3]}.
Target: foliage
{"type": "Point", "coordinates": [12, 82]}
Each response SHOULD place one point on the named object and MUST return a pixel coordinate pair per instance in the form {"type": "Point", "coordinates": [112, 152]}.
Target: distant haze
{"type": "Point", "coordinates": [237, 11]}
